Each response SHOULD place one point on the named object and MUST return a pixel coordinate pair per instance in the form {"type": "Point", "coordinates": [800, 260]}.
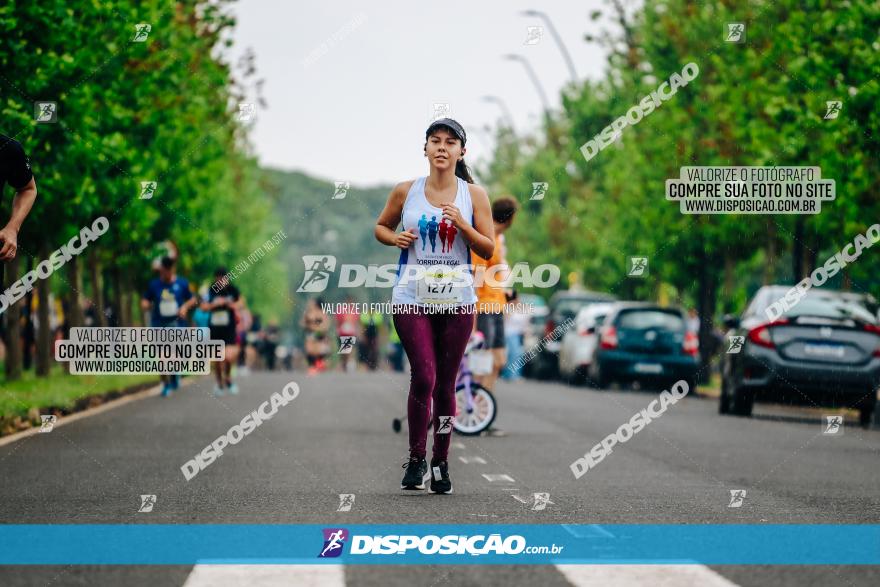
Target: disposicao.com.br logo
{"type": "Point", "coordinates": [319, 270]}
{"type": "Point", "coordinates": [431, 544]}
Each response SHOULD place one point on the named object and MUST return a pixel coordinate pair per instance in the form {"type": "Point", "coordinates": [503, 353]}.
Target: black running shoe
{"type": "Point", "coordinates": [416, 473]}
{"type": "Point", "coordinates": [440, 482]}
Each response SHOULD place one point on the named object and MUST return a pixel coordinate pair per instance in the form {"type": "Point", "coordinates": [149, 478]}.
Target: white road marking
{"type": "Point", "coordinates": [493, 477]}
{"type": "Point", "coordinates": [458, 444]}
{"type": "Point", "coordinates": [638, 575]}
{"type": "Point", "coordinates": [266, 576]}
{"type": "Point", "coordinates": [469, 460]}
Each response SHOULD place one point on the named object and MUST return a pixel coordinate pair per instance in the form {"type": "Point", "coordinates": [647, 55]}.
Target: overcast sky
{"type": "Point", "coordinates": [356, 108]}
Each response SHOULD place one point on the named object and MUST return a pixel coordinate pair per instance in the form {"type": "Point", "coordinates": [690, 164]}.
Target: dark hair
{"type": "Point", "coordinates": [220, 271]}
{"type": "Point", "coordinates": [462, 171]}
{"type": "Point", "coordinates": [503, 209]}
{"type": "Point", "coordinates": [167, 262]}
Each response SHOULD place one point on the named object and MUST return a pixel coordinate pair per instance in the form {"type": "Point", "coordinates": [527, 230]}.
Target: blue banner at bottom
{"type": "Point", "coordinates": [169, 544]}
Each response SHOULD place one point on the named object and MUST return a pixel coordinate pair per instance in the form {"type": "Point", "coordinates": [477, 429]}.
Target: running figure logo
{"type": "Point", "coordinates": [334, 541]}
{"type": "Point", "coordinates": [638, 266]}
{"type": "Point", "coordinates": [346, 344]}
{"type": "Point", "coordinates": [318, 270]}
{"type": "Point", "coordinates": [147, 503]}
{"type": "Point", "coordinates": [533, 35]}
{"type": "Point", "coordinates": [444, 425]}
{"type": "Point", "coordinates": [346, 500]}
{"type": "Point", "coordinates": [46, 111]}
{"type": "Point", "coordinates": [737, 496]}
{"type": "Point", "coordinates": [246, 111]}
{"type": "Point", "coordinates": [141, 32]}
{"type": "Point", "coordinates": [148, 189]}
{"type": "Point", "coordinates": [735, 32]}
{"type": "Point", "coordinates": [341, 190]}
{"type": "Point", "coordinates": [833, 425]}
{"type": "Point", "coordinates": [735, 344]}
{"type": "Point", "coordinates": [440, 110]}
{"type": "Point", "coordinates": [541, 501]}
{"type": "Point", "coordinates": [47, 422]}
{"type": "Point", "coordinates": [539, 188]}
{"type": "Point", "coordinates": [833, 109]}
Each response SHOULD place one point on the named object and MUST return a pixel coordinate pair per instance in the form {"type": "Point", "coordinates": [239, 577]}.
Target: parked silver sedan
{"type": "Point", "coordinates": [578, 345]}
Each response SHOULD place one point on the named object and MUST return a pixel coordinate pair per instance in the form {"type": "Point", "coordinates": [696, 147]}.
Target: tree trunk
{"type": "Point", "coordinates": [707, 289]}
{"type": "Point", "coordinates": [75, 316]}
{"type": "Point", "coordinates": [770, 265]}
{"type": "Point", "coordinates": [797, 251]}
{"type": "Point", "coordinates": [13, 328]}
{"type": "Point", "coordinates": [97, 287]}
{"type": "Point", "coordinates": [44, 332]}
{"type": "Point", "coordinates": [727, 291]}
{"type": "Point", "coordinates": [118, 301]}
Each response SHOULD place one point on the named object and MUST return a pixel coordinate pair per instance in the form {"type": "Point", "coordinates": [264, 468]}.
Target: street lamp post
{"type": "Point", "coordinates": [557, 38]}
{"type": "Point", "coordinates": [504, 109]}
{"type": "Point", "coordinates": [535, 81]}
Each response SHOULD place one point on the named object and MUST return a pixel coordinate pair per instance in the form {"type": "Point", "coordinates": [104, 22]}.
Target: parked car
{"type": "Point", "coordinates": [564, 305]}
{"type": "Point", "coordinates": [645, 342]}
{"type": "Point", "coordinates": [535, 329]}
{"type": "Point", "coordinates": [579, 344]}
{"type": "Point", "coordinates": [825, 350]}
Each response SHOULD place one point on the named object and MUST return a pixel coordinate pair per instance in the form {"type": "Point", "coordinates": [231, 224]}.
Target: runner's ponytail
{"type": "Point", "coordinates": [462, 171]}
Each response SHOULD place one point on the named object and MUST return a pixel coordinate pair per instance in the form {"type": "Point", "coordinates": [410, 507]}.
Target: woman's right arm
{"type": "Point", "coordinates": [389, 218]}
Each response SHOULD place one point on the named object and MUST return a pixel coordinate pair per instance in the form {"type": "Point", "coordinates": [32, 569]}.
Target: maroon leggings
{"type": "Point", "coordinates": [434, 344]}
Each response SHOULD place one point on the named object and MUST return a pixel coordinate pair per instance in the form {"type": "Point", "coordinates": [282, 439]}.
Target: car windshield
{"type": "Point", "coordinates": [643, 319]}
{"type": "Point", "coordinates": [830, 307]}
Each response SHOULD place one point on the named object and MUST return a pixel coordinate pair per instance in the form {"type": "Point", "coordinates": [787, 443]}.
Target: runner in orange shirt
{"type": "Point", "coordinates": [491, 296]}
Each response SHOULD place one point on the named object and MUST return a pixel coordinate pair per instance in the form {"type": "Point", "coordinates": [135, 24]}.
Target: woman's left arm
{"type": "Point", "coordinates": [480, 236]}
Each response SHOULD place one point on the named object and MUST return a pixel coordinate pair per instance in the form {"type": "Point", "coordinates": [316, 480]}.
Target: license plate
{"type": "Point", "coordinates": [824, 350]}
{"type": "Point", "coordinates": [648, 368]}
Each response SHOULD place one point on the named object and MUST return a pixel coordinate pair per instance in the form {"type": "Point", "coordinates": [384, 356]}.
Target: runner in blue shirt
{"type": "Point", "coordinates": [168, 299]}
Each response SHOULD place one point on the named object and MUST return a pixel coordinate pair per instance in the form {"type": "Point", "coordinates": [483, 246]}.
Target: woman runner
{"type": "Point", "coordinates": [434, 322]}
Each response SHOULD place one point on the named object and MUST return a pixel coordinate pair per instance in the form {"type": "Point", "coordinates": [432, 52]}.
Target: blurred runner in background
{"type": "Point", "coordinates": [347, 325]}
{"type": "Point", "coordinates": [396, 355]}
{"type": "Point", "coordinates": [271, 339]}
{"type": "Point", "coordinates": [168, 299]}
{"type": "Point", "coordinates": [516, 320]}
{"type": "Point", "coordinates": [317, 343]}
{"type": "Point", "coordinates": [222, 302]}
{"type": "Point", "coordinates": [491, 296]}
{"type": "Point", "coordinates": [369, 345]}
{"type": "Point", "coordinates": [242, 327]}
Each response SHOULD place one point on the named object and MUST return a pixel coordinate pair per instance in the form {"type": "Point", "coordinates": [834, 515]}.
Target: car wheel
{"type": "Point", "coordinates": [600, 378]}
{"type": "Point", "coordinates": [741, 401]}
{"type": "Point", "coordinates": [578, 377]}
{"type": "Point", "coordinates": [866, 412]}
{"type": "Point", "coordinates": [724, 400]}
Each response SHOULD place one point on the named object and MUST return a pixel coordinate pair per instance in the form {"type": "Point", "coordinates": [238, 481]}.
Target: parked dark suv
{"type": "Point", "coordinates": [825, 350]}
{"type": "Point", "coordinates": [645, 342]}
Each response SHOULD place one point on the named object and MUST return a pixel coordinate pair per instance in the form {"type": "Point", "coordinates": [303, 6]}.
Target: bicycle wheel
{"type": "Point", "coordinates": [482, 412]}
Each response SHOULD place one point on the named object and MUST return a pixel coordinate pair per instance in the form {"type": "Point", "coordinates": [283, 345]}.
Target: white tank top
{"type": "Point", "coordinates": [438, 243]}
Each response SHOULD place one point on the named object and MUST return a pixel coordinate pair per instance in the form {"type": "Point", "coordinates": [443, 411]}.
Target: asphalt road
{"type": "Point", "coordinates": [336, 438]}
